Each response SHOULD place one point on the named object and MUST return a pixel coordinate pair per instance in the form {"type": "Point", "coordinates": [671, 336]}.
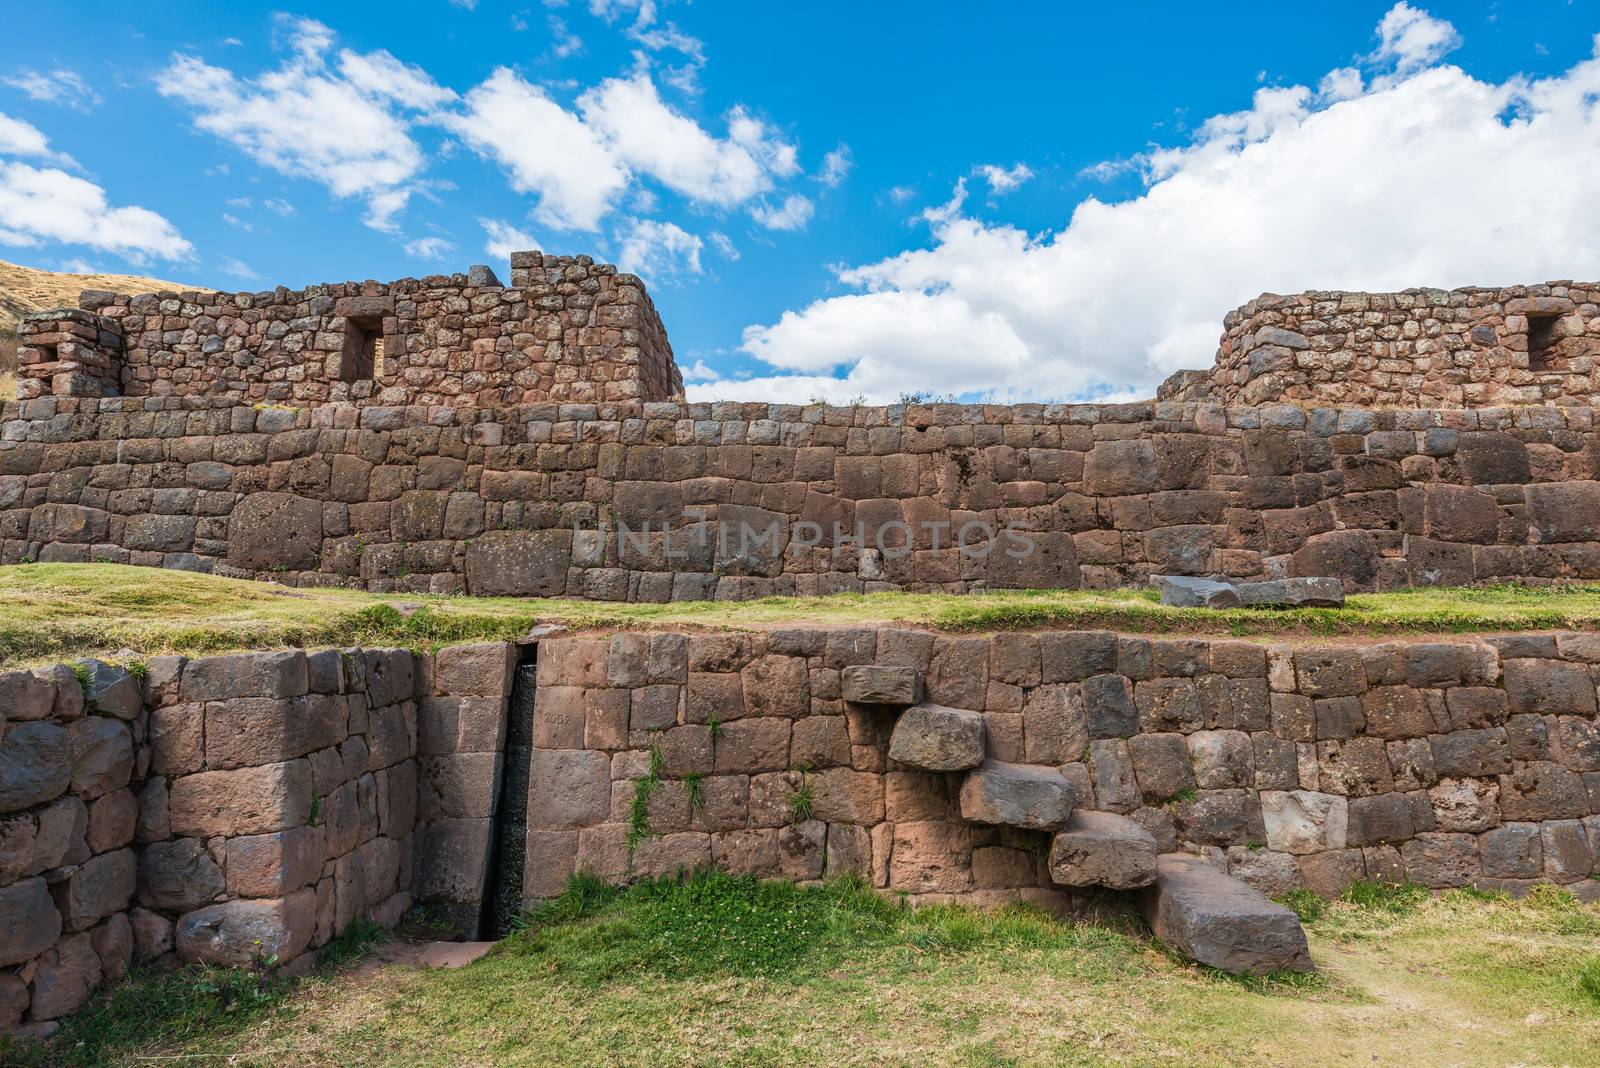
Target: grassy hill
{"type": "Point", "coordinates": [29, 289]}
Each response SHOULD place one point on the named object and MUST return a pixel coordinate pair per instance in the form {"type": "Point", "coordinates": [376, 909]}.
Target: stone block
{"type": "Point", "coordinates": [482, 670]}
{"type": "Point", "coordinates": [260, 800]}
{"type": "Point", "coordinates": [275, 865]}
{"type": "Point", "coordinates": [219, 678]}
{"type": "Point", "coordinates": [238, 933]}
{"type": "Point", "coordinates": [30, 923]}
{"type": "Point", "coordinates": [1304, 821]}
{"type": "Point", "coordinates": [102, 756]}
{"type": "Point", "coordinates": [1103, 849]}
{"type": "Point", "coordinates": [35, 764]}
{"type": "Point", "coordinates": [179, 875]}
{"type": "Point", "coordinates": [568, 789]}
{"type": "Point", "coordinates": [1183, 591]}
{"type": "Point", "coordinates": [1221, 922]}
{"type": "Point", "coordinates": [64, 978]}
{"type": "Point", "coordinates": [1017, 795]}
{"type": "Point", "coordinates": [460, 786]}
{"type": "Point", "coordinates": [96, 888]}
{"type": "Point", "coordinates": [110, 691]}
{"type": "Point", "coordinates": [1438, 859]}
{"type": "Point", "coordinates": [880, 685]}
{"type": "Point", "coordinates": [937, 738]}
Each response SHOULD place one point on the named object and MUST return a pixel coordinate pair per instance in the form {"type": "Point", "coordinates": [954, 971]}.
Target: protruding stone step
{"type": "Point", "coordinates": [1034, 796]}
{"type": "Point", "coordinates": [866, 684]}
{"type": "Point", "coordinates": [1218, 920]}
{"type": "Point", "coordinates": [938, 738]}
{"type": "Point", "coordinates": [1103, 849]}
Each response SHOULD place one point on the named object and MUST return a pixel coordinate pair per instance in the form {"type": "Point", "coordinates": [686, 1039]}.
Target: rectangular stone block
{"type": "Point", "coordinates": [260, 800]}
{"type": "Point", "coordinates": [218, 678]}
{"type": "Point", "coordinates": [869, 684]}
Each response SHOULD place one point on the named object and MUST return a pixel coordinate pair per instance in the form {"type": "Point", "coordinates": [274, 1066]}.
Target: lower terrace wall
{"type": "Point", "coordinates": [241, 808]}
{"type": "Point", "coordinates": [1442, 763]}
{"type": "Point", "coordinates": [532, 500]}
{"type": "Point", "coordinates": [235, 809]}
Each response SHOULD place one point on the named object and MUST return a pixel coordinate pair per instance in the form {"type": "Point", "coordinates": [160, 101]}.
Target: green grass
{"type": "Point", "coordinates": [52, 611]}
{"type": "Point", "coordinates": [722, 970]}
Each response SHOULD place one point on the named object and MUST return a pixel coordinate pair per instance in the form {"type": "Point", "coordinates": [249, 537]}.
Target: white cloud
{"type": "Point", "coordinates": [1412, 39]}
{"type": "Point", "coordinates": [1004, 179]}
{"type": "Point", "coordinates": [59, 86]}
{"type": "Point", "coordinates": [346, 128]}
{"type": "Point", "coordinates": [235, 221]}
{"type": "Point", "coordinates": [648, 136]}
{"type": "Point", "coordinates": [279, 207]}
{"type": "Point", "coordinates": [504, 239]}
{"type": "Point", "coordinates": [545, 149]}
{"type": "Point", "coordinates": [379, 74]}
{"type": "Point", "coordinates": [19, 138]}
{"type": "Point", "coordinates": [659, 251]}
{"type": "Point", "coordinates": [724, 245]}
{"type": "Point", "coordinates": [835, 165]}
{"type": "Point", "coordinates": [1427, 178]}
{"type": "Point", "coordinates": [428, 248]}
{"type": "Point", "coordinates": [792, 214]}
{"type": "Point", "coordinates": [39, 205]}
{"type": "Point", "coordinates": [238, 269]}
{"type": "Point", "coordinates": [901, 193]}
{"type": "Point", "coordinates": [563, 42]}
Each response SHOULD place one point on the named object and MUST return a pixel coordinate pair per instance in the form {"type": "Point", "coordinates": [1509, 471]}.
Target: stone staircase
{"type": "Point", "coordinates": [1191, 906]}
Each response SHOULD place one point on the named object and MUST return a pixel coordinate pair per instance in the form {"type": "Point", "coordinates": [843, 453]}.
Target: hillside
{"type": "Point", "coordinates": [26, 289]}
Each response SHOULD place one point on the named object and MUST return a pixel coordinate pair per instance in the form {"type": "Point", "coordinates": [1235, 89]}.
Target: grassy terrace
{"type": "Point", "coordinates": [49, 611]}
{"type": "Point", "coordinates": [725, 971]}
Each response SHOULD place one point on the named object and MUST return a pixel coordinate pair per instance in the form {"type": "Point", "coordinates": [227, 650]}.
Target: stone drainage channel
{"type": "Point", "coordinates": [507, 853]}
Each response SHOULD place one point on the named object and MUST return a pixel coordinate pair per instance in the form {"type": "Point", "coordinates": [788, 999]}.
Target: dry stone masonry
{"type": "Point", "coordinates": [565, 329]}
{"type": "Point", "coordinates": [1423, 348]}
{"type": "Point", "coordinates": [249, 807]}
{"type": "Point", "coordinates": [238, 809]}
{"type": "Point", "coordinates": [456, 435]}
{"type": "Point", "coordinates": [666, 501]}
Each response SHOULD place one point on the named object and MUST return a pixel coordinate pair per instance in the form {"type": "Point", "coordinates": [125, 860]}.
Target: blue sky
{"type": "Point", "coordinates": [1032, 201]}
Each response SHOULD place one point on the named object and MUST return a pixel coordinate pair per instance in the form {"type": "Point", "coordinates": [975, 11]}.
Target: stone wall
{"type": "Point", "coordinates": [455, 500]}
{"type": "Point", "coordinates": [1423, 348]}
{"type": "Point", "coordinates": [1471, 762]}
{"type": "Point", "coordinates": [244, 808]}
{"type": "Point", "coordinates": [235, 809]}
{"type": "Point", "coordinates": [566, 329]}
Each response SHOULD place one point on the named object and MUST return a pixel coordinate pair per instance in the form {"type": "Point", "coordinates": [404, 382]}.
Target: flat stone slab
{"type": "Point", "coordinates": [1187, 591]}
{"type": "Point", "coordinates": [875, 685]}
{"type": "Point", "coordinates": [452, 954]}
{"type": "Point", "coordinates": [1219, 921]}
{"type": "Point", "coordinates": [937, 738]}
{"type": "Point", "coordinates": [1034, 796]}
{"type": "Point", "coordinates": [1183, 591]}
{"type": "Point", "coordinates": [1103, 849]}
{"type": "Point", "coordinates": [1293, 593]}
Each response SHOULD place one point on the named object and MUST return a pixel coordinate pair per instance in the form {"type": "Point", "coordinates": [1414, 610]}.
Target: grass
{"type": "Point", "coordinates": [722, 970]}
{"type": "Point", "coordinates": [57, 610]}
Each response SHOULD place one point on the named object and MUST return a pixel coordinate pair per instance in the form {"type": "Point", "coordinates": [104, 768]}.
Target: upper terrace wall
{"type": "Point", "coordinates": [1423, 348]}
{"type": "Point", "coordinates": [566, 329]}
{"type": "Point", "coordinates": [487, 502]}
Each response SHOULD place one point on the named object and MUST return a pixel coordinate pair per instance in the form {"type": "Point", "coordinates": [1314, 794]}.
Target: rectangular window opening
{"type": "Point", "coordinates": [362, 356]}
{"type": "Point", "coordinates": [1541, 341]}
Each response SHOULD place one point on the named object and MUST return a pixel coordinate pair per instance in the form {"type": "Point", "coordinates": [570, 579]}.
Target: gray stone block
{"type": "Point", "coordinates": [938, 738]}
{"type": "Point", "coordinates": [1220, 921]}
{"type": "Point", "coordinates": [1181, 591]}
{"type": "Point", "coordinates": [1032, 796]}
{"type": "Point", "coordinates": [865, 684]}
{"type": "Point", "coordinates": [1103, 849]}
